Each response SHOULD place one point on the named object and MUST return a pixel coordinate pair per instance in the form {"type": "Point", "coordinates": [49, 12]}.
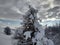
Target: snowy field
{"type": "Point", "coordinates": [8, 40]}
{"type": "Point", "coordinates": [5, 39]}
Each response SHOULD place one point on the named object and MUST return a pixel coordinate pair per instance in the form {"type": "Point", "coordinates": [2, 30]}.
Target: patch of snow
{"type": "Point", "coordinates": [27, 34]}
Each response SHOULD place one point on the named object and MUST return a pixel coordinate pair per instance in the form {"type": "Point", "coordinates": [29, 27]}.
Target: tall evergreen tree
{"type": "Point", "coordinates": [29, 20]}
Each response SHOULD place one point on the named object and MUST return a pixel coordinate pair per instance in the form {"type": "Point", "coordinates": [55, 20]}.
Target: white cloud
{"type": "Point", "coordinates": [15, 8]}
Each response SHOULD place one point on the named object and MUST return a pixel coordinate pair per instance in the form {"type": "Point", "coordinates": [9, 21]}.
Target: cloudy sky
{"type": "Point", "coordinates": [13, 10]}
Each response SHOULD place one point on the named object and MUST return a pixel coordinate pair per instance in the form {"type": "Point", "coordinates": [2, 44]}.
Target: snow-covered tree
{"type": "Point", "coordinates": [29, 27]}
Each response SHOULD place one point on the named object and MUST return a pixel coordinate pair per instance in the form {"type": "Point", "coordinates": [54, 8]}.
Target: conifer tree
{"type": "Point", "coordinates": [29, 20]}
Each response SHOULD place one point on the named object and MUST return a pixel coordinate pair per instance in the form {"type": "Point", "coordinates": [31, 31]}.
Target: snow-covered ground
{"type": "Point", "coordinates": [8, 40]}
{"type": "Point", "coordinates": [5, 39]}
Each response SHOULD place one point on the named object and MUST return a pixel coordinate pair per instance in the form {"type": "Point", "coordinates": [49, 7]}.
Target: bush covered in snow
{"type": "Point", "coordinates": [7, 31]}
